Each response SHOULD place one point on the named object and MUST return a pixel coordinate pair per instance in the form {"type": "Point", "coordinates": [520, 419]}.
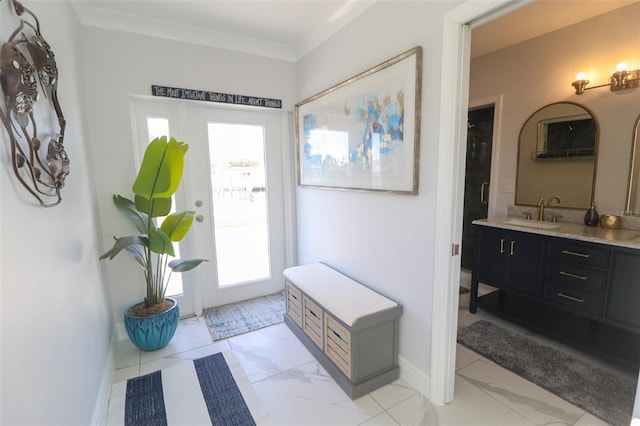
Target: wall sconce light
{"type": "Point", "coordinates": [621, 79]}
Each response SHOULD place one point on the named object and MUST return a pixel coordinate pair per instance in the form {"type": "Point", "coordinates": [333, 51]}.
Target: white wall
{"type": "Point", "coordinates": [55, 318]}
{"type": "Point", "coordinates": [119, 64]}
{"type": "Point", "coordinates": [537, 72]}
{"type": "Point", "coordinates": [382, 240]}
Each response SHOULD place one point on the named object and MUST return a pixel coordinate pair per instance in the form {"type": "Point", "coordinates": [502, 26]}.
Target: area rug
{"type": "Point", "coordinates": [209, 390]}
{"type": "Point", "coordinates": [603, 394]}
{"type": "Point", "coordinates": [238, 318]}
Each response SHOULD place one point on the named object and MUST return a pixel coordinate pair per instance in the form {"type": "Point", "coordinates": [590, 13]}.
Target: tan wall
{"type": "Point", "coordinates": [537, 72]}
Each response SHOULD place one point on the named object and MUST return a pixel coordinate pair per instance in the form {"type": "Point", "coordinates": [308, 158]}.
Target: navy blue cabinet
{"type": "Point", "coordinates": [597, 281]}
{"type": "Point", "coordinates": [508, 260]}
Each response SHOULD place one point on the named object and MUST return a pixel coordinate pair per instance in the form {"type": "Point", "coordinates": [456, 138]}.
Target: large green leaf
{"type": "Point", "coordinates": [124, 243]}
{"type": "Point", "coordinates": [161, 169]}
{"type": "Point", "coordinates": [138, 254]}
{"type": "Point", "coordinates": [128, 208]}
{"type": "Point", "coordinates": [178, 265]}
{"type": "Point", "coordinates": [160, 243]}
{"type": "Point", "coordinates": [161, 206]}
{"type": "Point", "coordinates": [177, 225]}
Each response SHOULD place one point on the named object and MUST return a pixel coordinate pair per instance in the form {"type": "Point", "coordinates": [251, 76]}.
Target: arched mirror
{"type": "Point", "coordinates": [632, 206]}
{"type": "Point", "coordinates": [557, 155]}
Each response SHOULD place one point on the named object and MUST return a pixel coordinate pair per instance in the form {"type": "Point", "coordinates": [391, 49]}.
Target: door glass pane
{"type": "Point", "coordinates": [237, 154]}
{"type": "Point", "coordinates": [477, 174]}
{"type": "Point", "coordinates": [160, 127]}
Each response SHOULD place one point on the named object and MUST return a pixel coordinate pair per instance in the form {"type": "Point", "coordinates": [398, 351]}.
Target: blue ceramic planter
{"type": "Point", "coordinates": [154, 332]}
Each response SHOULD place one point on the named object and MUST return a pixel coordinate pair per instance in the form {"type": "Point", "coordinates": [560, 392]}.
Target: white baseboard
{"type": "Point", "coordinates": [121, 332]}
{"type": "Point", "coordinates": [101, 409]}
{"type": "Point", "coordinates": [414, 377]}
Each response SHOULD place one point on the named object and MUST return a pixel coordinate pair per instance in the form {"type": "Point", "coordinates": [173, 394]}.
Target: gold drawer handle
{"type": "Point", "coordinates": [570, 275]}
{"type": "Point", "coordinates": [573, 253]}
{"type": "Point", "coordinates": [575, 299]}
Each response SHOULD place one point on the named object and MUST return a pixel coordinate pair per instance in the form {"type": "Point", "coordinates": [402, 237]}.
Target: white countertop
{"type": "Point", "coordinates": [615, 237]}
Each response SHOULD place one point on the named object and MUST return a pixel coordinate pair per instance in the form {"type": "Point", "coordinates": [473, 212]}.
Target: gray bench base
{"type": "Point", "coordinates": [353, 390]}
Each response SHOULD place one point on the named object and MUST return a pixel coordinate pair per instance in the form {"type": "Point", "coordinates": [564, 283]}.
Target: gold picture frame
{"type": "Point", "coordinates": [364, 133]}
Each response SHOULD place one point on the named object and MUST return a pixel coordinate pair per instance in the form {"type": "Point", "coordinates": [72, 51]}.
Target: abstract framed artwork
{"type": "Point", "coordinates": [364, 133]}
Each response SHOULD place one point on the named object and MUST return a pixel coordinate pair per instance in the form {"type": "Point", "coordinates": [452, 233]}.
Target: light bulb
{"type": "Point", "coordinates": [581, 76]}
{"type": "Point", "coordinates": [621, 66]}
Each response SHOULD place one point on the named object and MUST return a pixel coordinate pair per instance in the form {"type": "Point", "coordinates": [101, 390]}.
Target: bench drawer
{"type": "Point", "coordinates": [294, 304]}
{"type": "Point", "coordinates": [312, 320]}
{"type": "Point", "coordinates": [337, 344]}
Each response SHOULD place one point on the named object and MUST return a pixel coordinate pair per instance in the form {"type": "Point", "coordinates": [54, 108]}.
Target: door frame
{"type": "Point", "coordinates": [454, 104]}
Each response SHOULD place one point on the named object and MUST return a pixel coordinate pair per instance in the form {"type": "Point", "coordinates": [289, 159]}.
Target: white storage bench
{"type": "Point", "coordinates": [350, 329]}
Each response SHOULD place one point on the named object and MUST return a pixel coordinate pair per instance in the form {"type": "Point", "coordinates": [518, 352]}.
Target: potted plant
{"type": "Point", "coordinates": [152, 323]}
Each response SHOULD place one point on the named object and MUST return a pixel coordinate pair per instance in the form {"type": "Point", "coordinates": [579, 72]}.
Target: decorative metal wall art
{"type": "Point", "coordinates": [26, 59]}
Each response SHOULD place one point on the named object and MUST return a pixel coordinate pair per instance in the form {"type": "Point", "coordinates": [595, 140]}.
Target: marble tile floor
{"type": "Point", "coordinates": [295, 390]}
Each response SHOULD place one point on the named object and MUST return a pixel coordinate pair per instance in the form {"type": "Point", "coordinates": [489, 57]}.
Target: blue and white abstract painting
{"type": "Point", "coordinates": [362, 135]}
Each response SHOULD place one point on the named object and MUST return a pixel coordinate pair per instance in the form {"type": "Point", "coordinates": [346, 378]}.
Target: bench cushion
{"type": "Point", "coordinates": [345, 298]}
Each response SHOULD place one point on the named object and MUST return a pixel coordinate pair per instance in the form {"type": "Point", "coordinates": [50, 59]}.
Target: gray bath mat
{"type": "Point", "coordinates": [603, 394]}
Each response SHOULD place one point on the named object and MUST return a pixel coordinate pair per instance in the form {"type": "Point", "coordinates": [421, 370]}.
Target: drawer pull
{"type": "Point", "coordinates": [293, 295]}
{"type": "Point", "coordinates": [570, 275]}
{"type": "Point", "coordinates": [312, 313]}
{"type": "Point", "coordinates": [575, 299]}
{"type": "Point", "coordinates": [337, 335]}
{"type": "Point", "coordinates": [501, 245]}
{"type": "Point", "coordinates": [574, 253]}
{"type": "Point", "coordinates": [512, 252]}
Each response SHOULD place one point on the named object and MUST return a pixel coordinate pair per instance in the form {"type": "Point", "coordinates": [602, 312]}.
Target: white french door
{"type": "Point", "coordinates": [236, 189]}
{"type": "Point", "coordinates": [152, 119]}
{"type": "Point", "coordinates": [233, 180]}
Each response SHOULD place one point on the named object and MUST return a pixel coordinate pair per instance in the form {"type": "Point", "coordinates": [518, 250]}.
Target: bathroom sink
{"type": "Point", "coordinates": [530, 223]}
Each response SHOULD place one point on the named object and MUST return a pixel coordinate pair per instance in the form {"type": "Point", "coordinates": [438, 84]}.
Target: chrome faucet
{"type": "Point", "coordinates": [541, 211]}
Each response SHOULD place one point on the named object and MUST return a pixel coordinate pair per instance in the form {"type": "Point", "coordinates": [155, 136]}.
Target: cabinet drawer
{"type": "Point", "coordinates": [587, 254]}
{"type": "Point", "coordinates": [337, 344]}
{"type": "Point", "coordinates": [576, 299]}
{"type": "Point", "coordinates": [312, 321]}
{"type": "Point", "coordinates": [577, 274]}
{"type": "Point", "coordinates": [294, 304]}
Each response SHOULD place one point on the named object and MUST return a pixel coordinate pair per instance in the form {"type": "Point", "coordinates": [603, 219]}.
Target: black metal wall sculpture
{"type": "Point", "coordinates": [41, 173]}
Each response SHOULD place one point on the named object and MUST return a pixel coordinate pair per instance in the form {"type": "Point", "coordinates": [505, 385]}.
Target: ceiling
{"type": "Point", "coordinates": [281, 29]}
{"type": "Point", "coordinates": [289, 29]}
{"type": "Point", "coordinates": [534, 19]}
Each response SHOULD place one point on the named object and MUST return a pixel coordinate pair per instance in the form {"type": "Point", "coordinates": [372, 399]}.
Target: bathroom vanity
{"type": "Point", "coordinates": [586, 272]}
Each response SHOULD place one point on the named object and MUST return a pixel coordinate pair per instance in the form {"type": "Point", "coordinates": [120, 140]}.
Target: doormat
{"type": "Point", "coordinates": [209, 390]}
{"type": "Point", "coordinates": [241, 317]}
{"type": "Point", "coordinates": [603, 394]}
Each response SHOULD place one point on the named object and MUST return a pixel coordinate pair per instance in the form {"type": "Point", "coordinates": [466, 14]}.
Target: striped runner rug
{"type": "Point", "coordinates": [204, 391]}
